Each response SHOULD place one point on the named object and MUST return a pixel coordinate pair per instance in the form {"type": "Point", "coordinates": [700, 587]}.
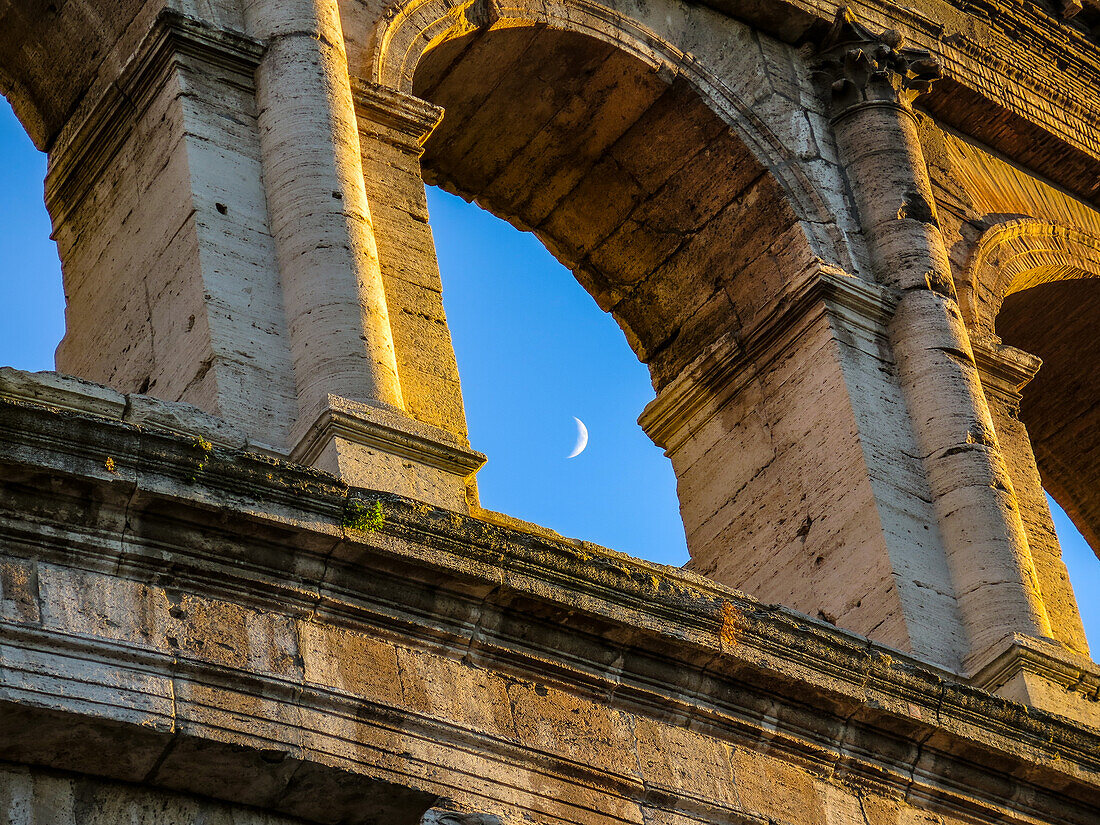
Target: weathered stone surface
{"type": "Point", "coordinates": [30, 796]}
{"type": "Point", "coordinates": [437, 816]}
{"type": "Point", "coordinates": [816, 274]}
{"type": "Point", "coordinates": [249, 654]}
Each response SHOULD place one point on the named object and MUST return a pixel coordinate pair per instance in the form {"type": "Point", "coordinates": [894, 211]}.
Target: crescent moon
{"type": "Point", "coordinates": [582, 439]}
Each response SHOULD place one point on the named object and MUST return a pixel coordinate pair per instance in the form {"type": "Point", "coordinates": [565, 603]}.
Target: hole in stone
{"type": "Point", "coordinates": [221, 207]}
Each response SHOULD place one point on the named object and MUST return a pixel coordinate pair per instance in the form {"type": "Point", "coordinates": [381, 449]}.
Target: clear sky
{"type": "Point", "coordinates": [534, 351]}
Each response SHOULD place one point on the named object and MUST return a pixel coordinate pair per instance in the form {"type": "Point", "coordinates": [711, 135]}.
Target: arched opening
{"type": "Point", "coordinates": [1039, 247]}
{"type": "Point", "coordinates": [534, 351]}
{"type": "Point", "coordinates": [30, 283]}
{"type": "Point", "coordinates": [627, 177]}
{"type": "Point", "coordinates": [1058, 322]}
{"type": "Point", "coordinates": [49, 55]}
{"type": "Point", "coordinates": [675, 223]}
{"type": "Point", "coordinates": [1083, 571]}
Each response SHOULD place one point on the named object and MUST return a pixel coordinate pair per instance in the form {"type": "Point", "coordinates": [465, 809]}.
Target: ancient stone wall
{"type": "Point", "coordinates": [194, 619]}
{"type": "Point", "coordinates": [29, 796]}
{"type": "Point", "coordinates": [856, 248]}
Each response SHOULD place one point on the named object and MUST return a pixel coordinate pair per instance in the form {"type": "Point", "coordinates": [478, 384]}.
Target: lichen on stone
{"type": "Point", "coordinates": [363, 517]}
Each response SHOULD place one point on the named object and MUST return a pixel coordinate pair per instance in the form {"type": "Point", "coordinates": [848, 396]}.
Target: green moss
{"type": "Point", "coordinates": [363, 517]}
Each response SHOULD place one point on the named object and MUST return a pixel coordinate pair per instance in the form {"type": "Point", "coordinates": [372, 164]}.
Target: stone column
{"type": "Point", "coordinates": [156, 192]}
{"type": "Point", "coordinates": [335, 301]}
{"type": "Point", "coordinates": [873, 82]}
{"type": "Point", "coordinates": [211, 213]}
{"type": "Point", "coordinates": [352, 416]}
{"type": "Point", "coordinates": [393, 127]}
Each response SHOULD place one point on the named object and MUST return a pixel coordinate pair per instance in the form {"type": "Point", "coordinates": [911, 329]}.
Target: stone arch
{"type": "Point", "coordinates": [1035, 285]}
{"type": "Point", "coordinates": [1020, 254]}
{"type": "Point", "coordinates": [1056, 320]}
{"type": "Point", "coordinates": [45, 90]}
{"type": "Point", "coordinates": [412, 28]}
{"type": "Point", "coordinates": [714, 260]}
{"type": "Point", "coordinates": [415, 34]}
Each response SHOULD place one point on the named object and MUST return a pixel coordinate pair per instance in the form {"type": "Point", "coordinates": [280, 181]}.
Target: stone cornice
{"type": "Point", "coordinates": [407, 121]}
{"type": "Point", "coordinates": [651, 640]}
{"type": "Point", "coordinates": [83, 150]}
{"type": "Point", "coordinates": [978, 43]}
{"type": "Point", "coordinates": [721, 373]}
{"type": "Point", "coordinates": [66, 393]}
{"type": "Point", "coordinates": [1022, 654]}
{"type": "Point", "coordinates": [1004, 370]}
{"type": "Point", "coordinates": [389, 432]}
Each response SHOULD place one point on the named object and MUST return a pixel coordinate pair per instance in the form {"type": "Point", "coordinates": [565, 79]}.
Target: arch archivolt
{"type": "Point", "coordinates": [777, 130]}
{"type": "Point", "coordinates": [1020, 254]}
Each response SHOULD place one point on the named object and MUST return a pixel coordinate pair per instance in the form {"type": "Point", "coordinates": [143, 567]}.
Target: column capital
{"type": "Point", "coordinates": [864, 67]}
{"type": "Point", "coordinates": [723, 370]}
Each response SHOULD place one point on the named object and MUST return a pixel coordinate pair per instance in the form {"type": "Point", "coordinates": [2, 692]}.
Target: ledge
{"type": "Point", "coordinates": [409, 120]}
{"type": "Point", "coordinates": [1004, 370]}
{"type": "Point", "coordinates": [388, 431]}
{"type": "Point", "coordinates": [716, 376]}
{"type": "Point", "coordinates": [1042, 672]}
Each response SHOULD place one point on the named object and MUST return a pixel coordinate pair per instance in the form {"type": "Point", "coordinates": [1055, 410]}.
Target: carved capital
{"type": "Point", "coordinates": [394, 116]}
{"type": "Point", "coordinates": [861, 66]}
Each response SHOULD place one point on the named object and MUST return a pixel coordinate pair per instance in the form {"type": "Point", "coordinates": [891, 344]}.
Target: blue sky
{"type": "Point", "coordinates": [533, 349]}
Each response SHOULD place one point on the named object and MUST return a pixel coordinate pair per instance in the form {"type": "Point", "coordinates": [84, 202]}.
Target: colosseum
{"type": "Point", "coordinates": [245, 576]}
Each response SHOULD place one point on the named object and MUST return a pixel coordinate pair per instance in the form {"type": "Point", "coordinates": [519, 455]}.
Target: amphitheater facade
{"type": "Point", "coordinates": [245, 576]}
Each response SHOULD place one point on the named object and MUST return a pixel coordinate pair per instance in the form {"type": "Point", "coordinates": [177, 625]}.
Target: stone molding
{"type": "Point", "coordinates": [64, 393]}
{"type": "Point", "coordinates": [1004, 370]}
{"type": "Point", "coordinates": [376, 428]}
{"type": "Point", "coordinates": [1018, 254]}
{"type": "Point", "coordinates": [406, 121]}
{"type": "Point", "coordinates": [981, 44]}
{"type": "Point", "coordinates": [408, 27]}
{"type": "Point", "coordinates": [84, 150]}
{"type": "Point", "coordinates": [646, 639]}
{"type": "Point", "coordinates": [723, 371]}
{"type": "Point", "coordinates": [1020, 655]}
